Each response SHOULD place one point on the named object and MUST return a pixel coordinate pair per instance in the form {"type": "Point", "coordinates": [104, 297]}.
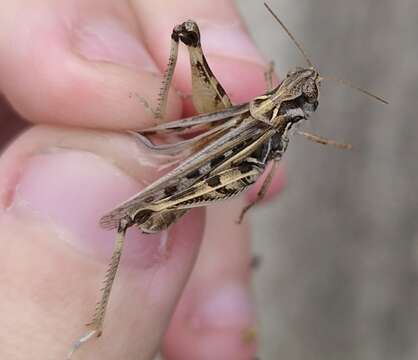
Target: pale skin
{"type": "Point", "coordinates": [81, 63]}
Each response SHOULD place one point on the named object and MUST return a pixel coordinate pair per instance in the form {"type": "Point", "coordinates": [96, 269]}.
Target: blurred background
{"type": "Point", "coordinates": [339, 246]}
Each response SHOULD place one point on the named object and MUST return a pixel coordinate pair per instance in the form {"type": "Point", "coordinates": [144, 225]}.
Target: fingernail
{"type": "Point", "coordinates": [230, 307]}
{"type": "Point", "coordinates": [110, 40]}
{"type": "Point", "coordinates": [70, 191]}
{"type": "Point", "coordinates": [230, 40]}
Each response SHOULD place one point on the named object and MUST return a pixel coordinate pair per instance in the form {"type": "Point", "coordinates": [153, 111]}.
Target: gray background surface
{"type": "Point", "coordinates": [340, 244]}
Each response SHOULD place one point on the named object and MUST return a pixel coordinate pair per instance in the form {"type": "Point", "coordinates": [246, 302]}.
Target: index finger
{"type": "Point", "coordinates": [79, 63]}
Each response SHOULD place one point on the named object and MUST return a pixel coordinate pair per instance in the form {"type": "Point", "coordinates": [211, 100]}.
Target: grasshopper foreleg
{"type": "Point", "coordinates": [324, 141]}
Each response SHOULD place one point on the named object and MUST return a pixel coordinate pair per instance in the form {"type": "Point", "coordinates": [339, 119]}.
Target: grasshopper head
{"type": "Point", "coordinates": [302, 85]}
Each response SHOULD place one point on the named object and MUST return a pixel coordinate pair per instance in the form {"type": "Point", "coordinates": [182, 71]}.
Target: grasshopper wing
{"type": "Point", "coordinates": [193, 169]}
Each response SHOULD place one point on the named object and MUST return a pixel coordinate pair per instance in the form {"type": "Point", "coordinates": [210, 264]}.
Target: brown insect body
{"type": "Point", "coordinates": [290, 102]}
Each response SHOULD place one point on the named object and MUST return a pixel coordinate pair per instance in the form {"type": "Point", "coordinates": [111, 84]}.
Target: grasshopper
{"type": "Point", "coordinates": [232, 148]}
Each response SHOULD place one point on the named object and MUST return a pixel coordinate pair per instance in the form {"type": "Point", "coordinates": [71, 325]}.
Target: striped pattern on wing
{"type": "Point", "coordinates": [245, 134]}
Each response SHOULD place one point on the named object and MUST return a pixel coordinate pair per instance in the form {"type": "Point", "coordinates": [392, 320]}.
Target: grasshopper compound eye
{"type": "Point", "coordinates": [310, 90]}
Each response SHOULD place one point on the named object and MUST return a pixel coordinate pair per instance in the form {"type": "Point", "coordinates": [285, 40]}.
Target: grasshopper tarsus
{"type": "Point", "coordinates": [85, 338]}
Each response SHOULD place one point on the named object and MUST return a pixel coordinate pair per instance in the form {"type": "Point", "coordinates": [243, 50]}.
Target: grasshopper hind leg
{"type": "Point", "coordinates": [208, 94]}
{"type": "Point", "coordinates": [96, 325]}
{"type": "Point", "coordinates": [160, 221]}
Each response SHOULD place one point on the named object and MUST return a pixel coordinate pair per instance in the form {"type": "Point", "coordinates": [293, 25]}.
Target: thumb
{"type": "Point", "coordinates": [55, 184]}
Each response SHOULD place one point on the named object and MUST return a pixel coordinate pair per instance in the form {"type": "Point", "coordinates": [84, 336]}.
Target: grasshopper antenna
{"type": "Point", "coordinates": [302, 51]}
{"type": "Point", "coordinates": [349, 84]}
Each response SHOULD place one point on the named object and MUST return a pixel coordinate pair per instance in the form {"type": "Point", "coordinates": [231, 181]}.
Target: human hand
{"type": "Point", "coordinates": [71, 67]}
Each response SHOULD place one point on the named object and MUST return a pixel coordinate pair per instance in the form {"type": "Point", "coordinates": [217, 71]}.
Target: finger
{"type": "Point", "coordinates": [230, 51]}
{"type": "Point", "coordinates": [78, 63]}
{"type": "Point", "coordinates": [55, 184]}
{"type": "Point", "coordinates": [216, 312]}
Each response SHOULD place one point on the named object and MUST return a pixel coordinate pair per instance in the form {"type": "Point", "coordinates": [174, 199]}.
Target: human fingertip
{"type": "Point", "coordinates": [228, 307]}
{"type": "Point", "coordinates": [70, 190]}
{"type": "Point", "coordinates": [236, 42]}
{"type": "Point", "coordinates": [221, 324]}
{"type": "Point", "coordinates": [82, 66]}
{"type": "Point", "coordinates": [109, 39]}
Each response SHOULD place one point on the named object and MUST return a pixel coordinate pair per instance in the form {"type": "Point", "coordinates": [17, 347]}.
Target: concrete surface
{"type": "Point", "coordinates": [339, 246]}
